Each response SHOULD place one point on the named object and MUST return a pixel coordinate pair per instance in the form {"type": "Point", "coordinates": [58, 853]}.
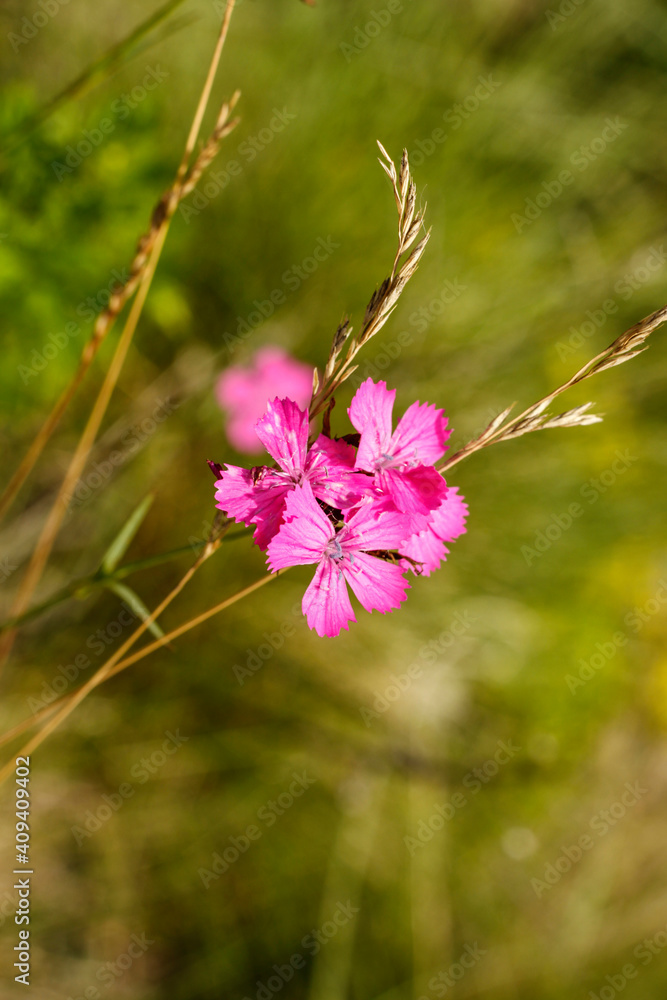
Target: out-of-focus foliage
{"type": "Point", "coordinates": [494, 101]}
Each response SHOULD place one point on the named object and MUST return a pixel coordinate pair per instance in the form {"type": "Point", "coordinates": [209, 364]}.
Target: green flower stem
{"type": "Point", "coordinates": [85, 585]}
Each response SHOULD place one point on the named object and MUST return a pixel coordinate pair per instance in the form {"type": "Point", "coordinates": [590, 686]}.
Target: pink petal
{"type": "Point", "coordinates": [233, 387]}
{"type": "Point", "coordinates": [370, 412]}
{"type": "Point", "coordinates": [427, 550]}
{"type": "Point", "coordinates": [269, 519]}
{"type": "Point", "coordinates": [446, 523]}
{"type": "Point", "coordinates": [282, 374]}
{"type": "Point", "coordinates": [382, 502]}
{"type": "Point", "coordinates": [329, 469]}
{"type": "Point", "coordinates": [235, 493]}
{"type": "Point", "coordinates": [242, 435]}
{"type": "Point", "coordinates": [372, 527]}
{"type": "Point", "coordinates": [326, 603]}
{"type": "Point", "coordinates": [245, 391]}
{"type": "Point", "coordinates": [338, 454]}
{"type": "Point", "coordinates": [304, 533]}
{"type": "Point", "coordinates": [283, 430]}
{"type": "Point", "coordinates": [379, 585]}
{"type": "Point", "coordinates": [259, 502]}
{"type": "Point", "coordinates": [448, 520]}
{"type": "Point", "coordinates": [342, 490]}
{"type": "Point", "coordinates": [414, 491]}
{"type": "Point", "coordinates": [421, 435]}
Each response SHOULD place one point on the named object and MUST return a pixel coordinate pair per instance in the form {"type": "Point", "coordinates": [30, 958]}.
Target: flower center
{"type": "Point", "coordinates": [334, 550]}
{"type": "Point", "coordinates": [385, 461]}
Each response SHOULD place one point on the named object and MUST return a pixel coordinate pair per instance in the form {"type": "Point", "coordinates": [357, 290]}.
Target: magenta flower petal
{"type": "Point", "coordinates": [330, 470]}
{"type": "Point", "coordinates": [304, 533]}
{"type": "Point", "coordinates": [326, 603]}
{"type": "Point", "coordinates": [370, 412]}
{"type": "Point", "coordinates": [419, 439]}
{"type": "Point", "coordinates": [251, 501]}
{"type": "Point", "coordinates": [242, 435]}
{"type": "Point", "coordinates": [244, 392]}
{"type": "Point", "coordinates": [415, 491]}
{"type": "Point", "coordinates": [338, 454]}
{"type": "Point", "coordinates": [363, 517]}
{"type": "Point", "coordinates": [445, 524]}
{"type": "Point", "coordinates": [233, 387]}
{"type": "Point", "coordinates": [277, 368]}
{"type": "Point", "coordinates": [372, 528]}
{"type": "Point", "coordinates": [269, 514]}
{"type": "Point", "coordinates": [427, 550]}
{"type": "Point", "coordinates": [379, 585]}
{"type": "Point", "coordinates": [421, 435]}
{"type": "Point", "coordinates": [283, 430]}
{"type": "Point", "coordinates": [235, 493]}
{"type": "Point", "coordinates": [448, 521]}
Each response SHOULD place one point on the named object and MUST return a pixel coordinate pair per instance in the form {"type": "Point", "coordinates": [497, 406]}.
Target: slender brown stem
{"type": "Point", "coordinates": [385, 298]}
{"type": "Point", "coordinates": [535, 417]}
{"type": "Point", "coordinates": [105, 670]}
{"type": "Point", "coordinates": [122, 294]}
{"type": "Point", "coordinates": [210, 546]}
{"type": "Point", "coordinates": [206, 92]}
{"type": "Point", "coordinates": [40, 440]}
{"type": "Point", "coordinates": [58, 510]}
{"type": "Point", "coordinates": [34, 720]}
{"type": "Point", "coordinates": [114, 665]}
{"type": "Point", "coordinates": [84, 585]}
{"type": "Point", "coordinates": [193, 622]}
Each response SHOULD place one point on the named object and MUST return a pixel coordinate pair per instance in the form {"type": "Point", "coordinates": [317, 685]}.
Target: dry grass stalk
{"type": "Point", "coordinates": [380, 307]}
{"type": "Point", "coordinates": [64, 707]}
{"type": "Point", "coordinates": [121, 294]}
{"type": "Point", "coordinates": [142, 271]}
{"type": "Point", "coordinates": [537, 417]}
{"type": "Point", "coordinates": [385, 298]}
{"type": "Point", "coordinates": [217, 533]}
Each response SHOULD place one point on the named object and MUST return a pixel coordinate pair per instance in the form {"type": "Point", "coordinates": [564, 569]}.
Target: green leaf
{"type": "Point", "coordinates": [137, 605]}
{"type": "Point", "coordinates": [104, 67]}
{"type": "Point", "coordinates": [121, 542]}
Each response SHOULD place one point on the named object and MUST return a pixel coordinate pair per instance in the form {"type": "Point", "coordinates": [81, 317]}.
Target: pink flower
{"type": "Point", "coordinates": [257, 496]}
{"type": "Point", "coordinates": [363, 516]}
{"type": "Point", "coordinates": [403, 460]}
{"type": "Point", "coordinates": [342, 556]}
{"type": "Point", "coordinates": [244, 392]}
{"type": "Point", "coordinates": [445, 524]}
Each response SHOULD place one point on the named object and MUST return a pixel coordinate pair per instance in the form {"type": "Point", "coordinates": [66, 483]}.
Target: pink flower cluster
{"type": "Point", "coordinates": [364, 509]}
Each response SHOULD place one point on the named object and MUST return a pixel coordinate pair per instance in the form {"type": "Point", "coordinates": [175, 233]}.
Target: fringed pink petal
{"type": "Point", "coordinates": [414, 491]}
{"type": "Point", "coordinates": [378, 585]}
{"type": "Point", "coordinates": [283, 430]}
{"type": "Point", "coordinates": [371, 527]}
{"type": "Point", "coordinates": [370, 412]}
{"type": "Point", "coordinates": [304, 533]}
{"type": "Point", "coordinates": [326, 603]}
{"type": "Point", "coordinates": [420, 436]}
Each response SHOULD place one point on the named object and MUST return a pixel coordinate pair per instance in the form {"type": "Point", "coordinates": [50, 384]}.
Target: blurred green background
{"type": "Point", "coordinates": [541, 875]}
